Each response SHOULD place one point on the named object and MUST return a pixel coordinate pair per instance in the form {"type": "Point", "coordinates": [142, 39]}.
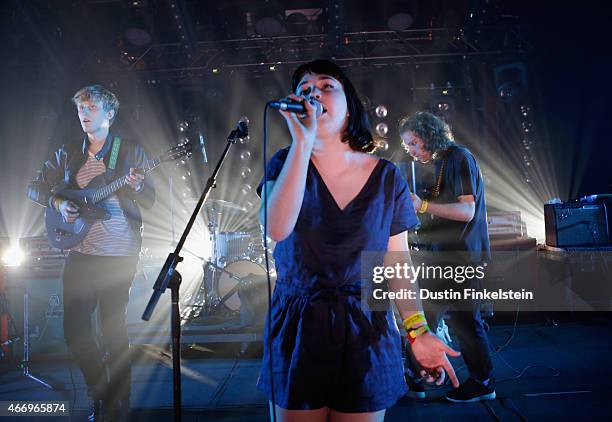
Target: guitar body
{"type": "Point", "coordinates": [64, 235]}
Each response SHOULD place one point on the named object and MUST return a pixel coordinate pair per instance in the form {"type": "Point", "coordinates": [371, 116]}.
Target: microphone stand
{"type": "Point", "coordinates": [169, 277]}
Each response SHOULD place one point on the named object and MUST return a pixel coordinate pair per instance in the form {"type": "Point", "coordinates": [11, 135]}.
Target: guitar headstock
{"type": "Point", "coordinates": [179, 152]}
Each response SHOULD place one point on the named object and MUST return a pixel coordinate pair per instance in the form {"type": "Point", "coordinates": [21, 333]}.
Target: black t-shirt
{"type": "Point", "coordinates": [462, 176]}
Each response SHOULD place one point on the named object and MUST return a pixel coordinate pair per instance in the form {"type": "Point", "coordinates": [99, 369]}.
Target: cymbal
{"type": "Point", "coordinates": [214, 203]}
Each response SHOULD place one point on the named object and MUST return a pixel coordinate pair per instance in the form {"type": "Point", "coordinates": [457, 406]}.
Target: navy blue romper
{"type": "Point", "coordinates": [327, 350]}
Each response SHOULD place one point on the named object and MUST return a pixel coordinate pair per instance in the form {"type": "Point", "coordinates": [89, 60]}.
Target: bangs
{"type": "Point", "coordinates": [321, 67]}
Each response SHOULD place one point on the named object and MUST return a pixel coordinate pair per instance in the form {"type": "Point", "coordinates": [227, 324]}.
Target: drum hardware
{"type": "Point", "coordinates": [241, 289]}
{"type": "Point", "coordinates": [214, 203]}
{"type": "Point", "coordinates": [52, 312]}
{"type": "Point", "coordinates": [232, 275]}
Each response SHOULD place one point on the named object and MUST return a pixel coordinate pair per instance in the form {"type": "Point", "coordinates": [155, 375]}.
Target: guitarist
{"type": "Point", "coordinates": [101, 268]}
{"type": "Point", "coordinates": [455, 232]}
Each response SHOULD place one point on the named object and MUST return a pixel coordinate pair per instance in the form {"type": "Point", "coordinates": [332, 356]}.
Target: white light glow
{"type": "Point", "coordinates": [13, 257]}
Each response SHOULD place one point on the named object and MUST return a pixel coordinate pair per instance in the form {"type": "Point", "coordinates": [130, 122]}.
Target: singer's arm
{"type": "Point", "coordinates": [286, 193]}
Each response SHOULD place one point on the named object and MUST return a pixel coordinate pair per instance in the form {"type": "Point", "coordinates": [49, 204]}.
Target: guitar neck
{"type": "Point", "coordinates": [104, 192]}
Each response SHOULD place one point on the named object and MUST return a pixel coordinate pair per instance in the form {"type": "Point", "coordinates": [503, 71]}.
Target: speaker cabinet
{"type": "Point", "coordinates": [576, 224]}
{"type": "Point", "coordinates": [45, 311]}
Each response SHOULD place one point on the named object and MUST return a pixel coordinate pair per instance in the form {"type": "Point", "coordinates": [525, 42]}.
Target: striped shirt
{"type": "Point", "coordinates": [112, 237]}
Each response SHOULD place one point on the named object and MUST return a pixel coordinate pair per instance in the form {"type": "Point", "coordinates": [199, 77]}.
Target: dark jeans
{"type": "Point", "coordinates": [89, 281]}
{"type": "Point", "coordinates": [467, 325]}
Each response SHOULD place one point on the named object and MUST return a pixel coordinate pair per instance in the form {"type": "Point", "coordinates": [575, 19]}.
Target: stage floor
{"type": "Point", "coordinates": [219, 387]}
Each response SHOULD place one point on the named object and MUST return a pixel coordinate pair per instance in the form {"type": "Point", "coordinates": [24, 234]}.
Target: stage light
{"type": "Point", "coordinates": [507, 91]}
{"type": "Point", "coordinates": [399, 14]}
{"type": "Point", "coordinates": [246, 189]}
{"type": "Point", "coordinates": [526, 126]}
{"type": "Point", "coordinates": [126, 57]}
{"type": "Point", "coordinates": [268, 19]}
{"type": "Point", "coordinates": [268, 26]}
{"type": "Point", "coordinates": [138, 29]}
{"type": "Point", "coordinates": [304, 21]}
{"type": "Point", "coordinates": [382, 129]}
{"type": "Point", "coordinates": [245, 140]}
{"type": "Point", "coordinates": [525, 110]}
{"type": "Point", "coordinates": [443, 106]}
{"type": "Point", "coordinates": [183, 126]}
{"type": "Point", "coordinates": [245, 172]}
{"type": "Point", "coordinates": [215, 70]}
{"type": "Point", "coordinates": [245, 155]}
{"type": "Point", "coordinates": [381, 111]}
{"type": "Point", "coordinates": [13, 256]}
{"type": "Point", "coordinates": [400, 21]}
{"type": "Point", "coordinates": [510, 81]}
{"type": "Point", "coordinates": [297, 23]}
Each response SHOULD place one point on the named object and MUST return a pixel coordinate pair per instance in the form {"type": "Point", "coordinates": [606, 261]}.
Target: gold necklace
{"type": "Point", "coordinates": [436, 190]}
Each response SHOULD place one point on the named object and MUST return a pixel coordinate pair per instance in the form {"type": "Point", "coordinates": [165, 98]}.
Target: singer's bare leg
{"type": "Point", "coordinates": [322, 415]}
{"type": "Point", "coordinates": [284, 415]}
{"type": "Point", "coordinates": [335, 416]}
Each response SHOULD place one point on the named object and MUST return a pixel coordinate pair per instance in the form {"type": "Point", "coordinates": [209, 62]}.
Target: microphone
{"type": "Point", "coordinates": [295, 107]}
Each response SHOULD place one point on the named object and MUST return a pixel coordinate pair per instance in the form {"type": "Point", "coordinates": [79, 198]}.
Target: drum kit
{"type": "Point", "coordinates": [234, 282]}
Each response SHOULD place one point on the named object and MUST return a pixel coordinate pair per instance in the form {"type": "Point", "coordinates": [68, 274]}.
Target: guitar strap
{"type": "Point", "coordinates": [114, 153]}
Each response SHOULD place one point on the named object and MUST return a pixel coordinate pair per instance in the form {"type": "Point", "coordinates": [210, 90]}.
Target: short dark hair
{"type": "Point", "coordinates": [435, 132]}
{"type": "Point", "coordinates": [357, 133]}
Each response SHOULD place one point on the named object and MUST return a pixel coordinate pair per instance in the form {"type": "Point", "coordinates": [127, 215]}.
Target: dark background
{"type": "Point", "coordinates": [206, 65]}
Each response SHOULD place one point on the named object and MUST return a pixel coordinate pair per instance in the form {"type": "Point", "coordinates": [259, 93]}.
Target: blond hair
{"type": "Point", "coordinates": [98, 93]}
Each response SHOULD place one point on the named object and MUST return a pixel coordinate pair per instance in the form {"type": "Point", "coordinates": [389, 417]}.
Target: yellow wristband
{"type": "Point", "coordinates": [423, 208]}
{"type": "Point", "coordinates": [415, 320]}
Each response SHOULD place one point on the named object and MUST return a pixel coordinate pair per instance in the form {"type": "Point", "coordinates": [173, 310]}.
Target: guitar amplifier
{"type": "Point", "coordinates": [576, 224]}
{"type": "Point", "coordinates": [45, 311]}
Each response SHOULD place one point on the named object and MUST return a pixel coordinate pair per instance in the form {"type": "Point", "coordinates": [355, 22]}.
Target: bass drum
{"type": "Point", "coordinates": [243, 287]}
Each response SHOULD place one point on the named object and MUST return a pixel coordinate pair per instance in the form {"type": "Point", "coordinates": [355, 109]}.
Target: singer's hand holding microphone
{"type": "Point", "coordinates": [301, 115]}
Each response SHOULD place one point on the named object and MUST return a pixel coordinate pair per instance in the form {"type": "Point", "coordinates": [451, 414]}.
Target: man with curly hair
{"type": "Point", "coordinates": [456, 234]}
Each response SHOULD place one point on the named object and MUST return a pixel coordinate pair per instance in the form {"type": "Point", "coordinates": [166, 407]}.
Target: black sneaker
{"type": "Point", "coordinates": [471, 391]}
{"type": "Point", "coordinates": [416, 389]}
